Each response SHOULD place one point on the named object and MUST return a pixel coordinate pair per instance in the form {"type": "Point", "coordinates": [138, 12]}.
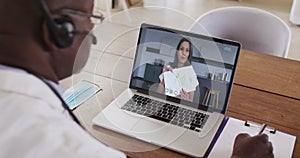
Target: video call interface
{"type": "Point", "coordinates": [196, 70]}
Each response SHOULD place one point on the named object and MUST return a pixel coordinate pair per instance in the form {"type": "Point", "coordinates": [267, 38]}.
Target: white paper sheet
{"type": "Point", "coordinates": [180, 79]}
{"type": "Point", "coordinates": [187, 78]}
{"type": "Point", "coordinates": [283, 143]}
{"type": "Point", "coordinates": [172, 85]}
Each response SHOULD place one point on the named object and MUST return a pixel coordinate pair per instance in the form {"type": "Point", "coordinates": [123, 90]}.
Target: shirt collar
{"type": "Point", "coordinates": [53, 84]}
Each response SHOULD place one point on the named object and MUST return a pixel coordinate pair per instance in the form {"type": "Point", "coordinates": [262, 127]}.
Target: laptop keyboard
{"type": "Point", "coordinates": [175, 115]}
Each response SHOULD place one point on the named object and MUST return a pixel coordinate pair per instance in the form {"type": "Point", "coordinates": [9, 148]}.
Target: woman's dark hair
{"type": "Point", "coordinates": [190, 54]}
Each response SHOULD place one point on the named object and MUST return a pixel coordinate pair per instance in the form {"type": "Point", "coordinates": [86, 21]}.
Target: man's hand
{"type": "Point", "coordinates": [258, 146]}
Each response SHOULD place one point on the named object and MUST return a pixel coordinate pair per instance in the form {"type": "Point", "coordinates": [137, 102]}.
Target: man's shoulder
{"type": "Point", "coordinates": [18, 87]}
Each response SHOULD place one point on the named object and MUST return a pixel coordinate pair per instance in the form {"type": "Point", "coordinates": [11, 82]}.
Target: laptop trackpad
{"type": "Point", "coordinates": [158, 132]}
{"type": "Point", "coordinates": [144, 125]}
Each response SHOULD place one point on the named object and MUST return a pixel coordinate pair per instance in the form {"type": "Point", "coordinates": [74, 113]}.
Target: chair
{"type": "Point", "coordinates": [124, 6]}
{"type": "Point", "coordinates": [295, 12]}
{"type": "Point", "coordinates": [255, 29]}
{"type": "Point", "coordinates": [108, 6]}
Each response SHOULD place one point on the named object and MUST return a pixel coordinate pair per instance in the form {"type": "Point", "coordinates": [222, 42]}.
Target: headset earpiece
{"type": "Point", "coordinates": [62, 32]}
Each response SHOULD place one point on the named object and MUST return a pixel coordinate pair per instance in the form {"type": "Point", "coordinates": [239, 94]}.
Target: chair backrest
{"type": "Point", "coordinates": [255, 29]}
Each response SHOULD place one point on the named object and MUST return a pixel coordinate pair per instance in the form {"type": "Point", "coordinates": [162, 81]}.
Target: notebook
{"type": "Point", "coordinates": [183, 109]}
{"type": "Point", "coordinates": [283, 143]}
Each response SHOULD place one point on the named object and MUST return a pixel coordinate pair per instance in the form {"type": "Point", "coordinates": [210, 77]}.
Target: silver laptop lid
{"type": "Point", "coordinates": [186, 68]}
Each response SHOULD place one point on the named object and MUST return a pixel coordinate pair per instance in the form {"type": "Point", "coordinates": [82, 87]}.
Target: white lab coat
{"type": "Point", "coordinates": [295, 12]}
{"type": "Point", "coordinates": [33, 123]}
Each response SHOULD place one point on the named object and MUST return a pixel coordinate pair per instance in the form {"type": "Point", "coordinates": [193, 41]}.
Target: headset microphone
{"type": "Point", "coordinates": [61, 30]}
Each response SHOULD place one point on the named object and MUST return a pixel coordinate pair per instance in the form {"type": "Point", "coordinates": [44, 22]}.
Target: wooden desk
{"type": "Point", "coordinates": [266, 90]}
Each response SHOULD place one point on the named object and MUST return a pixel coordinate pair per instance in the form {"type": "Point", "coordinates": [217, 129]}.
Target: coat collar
{"type": "Point", "coordinates": [29, 85]}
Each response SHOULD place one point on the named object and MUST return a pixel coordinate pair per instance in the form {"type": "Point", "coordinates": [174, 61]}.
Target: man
{"type": "Point", "coordinates": [38, 48]}
{"type": "Point", "coordinates": [33, 121]}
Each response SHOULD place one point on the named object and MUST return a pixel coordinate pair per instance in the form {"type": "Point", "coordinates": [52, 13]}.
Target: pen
{"type": "Point", "coordinates": [262, 129]}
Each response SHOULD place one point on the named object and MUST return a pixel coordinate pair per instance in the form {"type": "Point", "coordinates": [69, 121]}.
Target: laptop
{"type": "Point", "coordinates": [155, 107]}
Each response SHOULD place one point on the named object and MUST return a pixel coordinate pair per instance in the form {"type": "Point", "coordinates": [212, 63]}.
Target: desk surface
{"type": "Point", "coordinates": [266, 90]}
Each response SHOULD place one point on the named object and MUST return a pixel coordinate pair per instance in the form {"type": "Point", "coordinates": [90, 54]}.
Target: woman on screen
{"type": "Point", "coordinates": [182, 58]}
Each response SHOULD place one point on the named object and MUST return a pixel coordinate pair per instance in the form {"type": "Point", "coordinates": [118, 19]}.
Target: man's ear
{"type": "Point", "coordinates": [46, 37]}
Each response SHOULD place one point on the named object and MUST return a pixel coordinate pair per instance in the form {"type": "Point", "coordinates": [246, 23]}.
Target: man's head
{"type": "Point", "coordinates": [44, 36]}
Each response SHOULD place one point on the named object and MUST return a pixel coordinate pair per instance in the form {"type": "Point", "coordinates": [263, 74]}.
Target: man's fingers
{"type": "Point", "coordinates": [270, 147]}
{"type": "Point", "coordinates": [242, 136]}
{"type": "Point", "coordinates": [263, 137]}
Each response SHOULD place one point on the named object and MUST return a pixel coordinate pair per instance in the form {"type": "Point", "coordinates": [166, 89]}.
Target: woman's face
{"type": "Point", "coordinates": [183, 53]}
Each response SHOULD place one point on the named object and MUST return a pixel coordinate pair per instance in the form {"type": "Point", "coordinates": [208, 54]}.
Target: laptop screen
{"type": "Point", "coordinates": [186, 68]}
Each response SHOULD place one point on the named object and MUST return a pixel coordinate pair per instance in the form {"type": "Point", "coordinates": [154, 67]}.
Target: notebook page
{"type": "Point", "coordinates": [283, 143]}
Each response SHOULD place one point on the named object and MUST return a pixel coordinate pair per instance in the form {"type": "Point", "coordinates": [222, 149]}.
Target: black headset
{"type": "Point", "coordinates": [61, 30]}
